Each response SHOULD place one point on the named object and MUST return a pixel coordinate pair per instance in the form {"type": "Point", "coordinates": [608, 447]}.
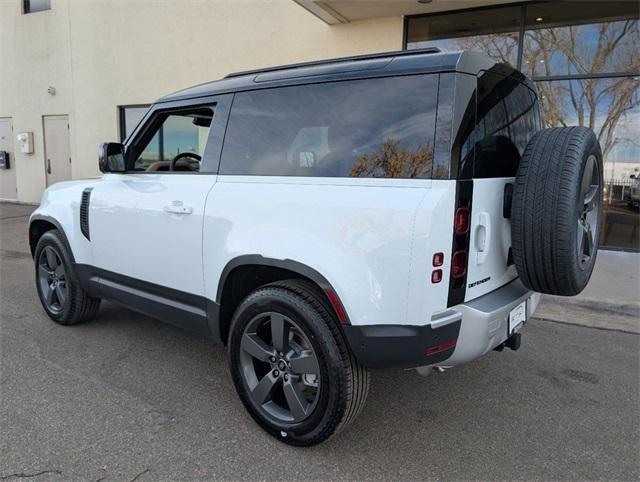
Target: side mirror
{"type": "Point", "coordinates": [111, 157]}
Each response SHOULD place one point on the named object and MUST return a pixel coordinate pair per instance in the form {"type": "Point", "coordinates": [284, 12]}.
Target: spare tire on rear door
{"type": "Point", "coordinates": [556, 211]}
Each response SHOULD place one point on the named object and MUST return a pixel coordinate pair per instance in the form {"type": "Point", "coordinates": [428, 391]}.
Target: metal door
{"type": "Point", "coordinates": [57, 152]}
{"type": "Point", "coordinates": [8, 188]}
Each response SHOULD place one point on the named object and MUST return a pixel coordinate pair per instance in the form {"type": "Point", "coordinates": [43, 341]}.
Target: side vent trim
{"type": "Point", "coordinates": [84, 212]}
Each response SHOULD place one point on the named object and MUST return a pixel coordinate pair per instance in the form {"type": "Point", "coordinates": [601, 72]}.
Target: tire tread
{"type": "Point", "coordinates": [352, 393]}
{"type": "Point", "coordinates": [543, 215]}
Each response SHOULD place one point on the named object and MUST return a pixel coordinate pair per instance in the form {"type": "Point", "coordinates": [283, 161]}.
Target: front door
{"type": "Point", "coordinates": [8, 188]}
{"type": "Point", "coordinates": [57, 151]}
{"type": "Point", "coordinates": [146, 224]}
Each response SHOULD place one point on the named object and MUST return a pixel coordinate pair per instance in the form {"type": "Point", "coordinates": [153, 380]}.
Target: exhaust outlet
{"type": "Point", "coordinates": [428, 370]}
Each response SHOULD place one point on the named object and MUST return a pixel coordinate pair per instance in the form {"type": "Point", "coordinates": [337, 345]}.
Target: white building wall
{"type": "Point", "coordinates": [99, 54]}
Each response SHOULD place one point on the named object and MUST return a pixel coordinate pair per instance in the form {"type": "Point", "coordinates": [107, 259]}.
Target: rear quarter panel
{"type": "Point", "coordinates": [367, 237]}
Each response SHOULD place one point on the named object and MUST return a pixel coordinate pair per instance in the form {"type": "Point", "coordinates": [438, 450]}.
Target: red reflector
{"type": "Point", "coordinates": [438, 259]}
{"type": "Point", "coordinates": [337, 305]}
{"type": "Point", "coordinates": [459, 264]}
{"type": "Point", "coordinates": [436, 276]}
{"type": "Point", "coordinates": [447, 345]}
{"type": "Point", "coordinates": [461, 221]}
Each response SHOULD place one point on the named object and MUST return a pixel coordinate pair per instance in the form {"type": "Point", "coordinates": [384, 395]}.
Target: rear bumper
{"type": "Point", "coordinates": [477, 327]}
{"type": "Point", "coordinates": [485, 321]}
{"type": "Point", "coordinates": [403, 346]}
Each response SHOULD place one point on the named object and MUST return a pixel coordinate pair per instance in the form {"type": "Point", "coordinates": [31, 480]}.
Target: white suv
{"type": "Point", "coordinates": [392, 210]}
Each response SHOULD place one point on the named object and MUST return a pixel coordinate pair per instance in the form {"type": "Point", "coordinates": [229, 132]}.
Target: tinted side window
{"type": "Point", "coordinates": [363, 128]}
{"type": "Point", "coordinates": [177, 144]}
{"type": "Point", "coordinates": [506, 119]}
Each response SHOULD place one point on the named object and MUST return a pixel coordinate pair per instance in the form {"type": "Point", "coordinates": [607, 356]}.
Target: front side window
{"type": "Point", "coordinates": [176, 143]}
{"type": "Point", "coordinates": [362, 128]}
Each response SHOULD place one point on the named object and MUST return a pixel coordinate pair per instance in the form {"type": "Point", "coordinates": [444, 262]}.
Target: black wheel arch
{"type": "Point", "coordinates": [245, 273]}
{"type": "Point", "coordinates": [40, 224]}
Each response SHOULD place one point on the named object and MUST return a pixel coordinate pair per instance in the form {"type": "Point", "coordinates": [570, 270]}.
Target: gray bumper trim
{"type": "Point", "coordinates": [485, 320]}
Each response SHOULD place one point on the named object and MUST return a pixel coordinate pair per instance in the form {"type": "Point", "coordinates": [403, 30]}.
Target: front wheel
{"type": "Point", "coordinates": [59, 290]}
{"type": "Point", "coordinates": [291, 366]}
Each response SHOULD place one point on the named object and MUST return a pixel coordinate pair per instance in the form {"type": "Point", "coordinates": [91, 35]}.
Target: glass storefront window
{"type": "Point", "coordinates": [597, 37]}
{"type": "Point", "coordinates": [593, 47]}
{"type": "Point", "coordinates": [611, 107]}
{"type": "Point", "coordinates": [494, 32]}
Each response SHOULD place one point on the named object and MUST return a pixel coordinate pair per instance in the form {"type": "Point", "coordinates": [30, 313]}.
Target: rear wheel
{"type": "Point", "coordinates": [291, 366]}
{"type": "Point", "coordinates": [556, 215]}
{"type": "Point", "coordinates": [59, 290]}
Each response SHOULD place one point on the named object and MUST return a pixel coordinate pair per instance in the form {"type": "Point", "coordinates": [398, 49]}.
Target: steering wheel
{"type": "Point", "coordinates": [182, 155]}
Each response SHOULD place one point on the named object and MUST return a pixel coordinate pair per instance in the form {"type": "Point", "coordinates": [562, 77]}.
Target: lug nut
{"type": "Point", "coordinates": [286, 377]}
{"type": "Point", "coordinates": [272, 359]}
{"type": "Point", "coordinates": [276, 373]}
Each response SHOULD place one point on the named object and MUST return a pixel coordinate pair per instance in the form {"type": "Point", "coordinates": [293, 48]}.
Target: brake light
{"type": "Point", "coordinates": [461, 221]}
{"type": "Point", "coordinates": [459, 264]}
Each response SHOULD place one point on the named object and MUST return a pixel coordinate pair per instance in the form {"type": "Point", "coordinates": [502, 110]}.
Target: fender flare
{"type": "Point", "coordinates": [49, 219]}
{"type": "Point", "coordinates": [288, 264]}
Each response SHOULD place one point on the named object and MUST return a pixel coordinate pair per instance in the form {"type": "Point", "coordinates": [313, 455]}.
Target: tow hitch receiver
{"type": "Point", "coordinates": [512, 342]}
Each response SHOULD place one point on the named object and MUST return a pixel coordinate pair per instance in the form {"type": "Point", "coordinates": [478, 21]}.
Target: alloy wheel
{"type": "Point", "coordinates": [52, 279]}
{"type": "Point", "coordinates": [588, 212]}
{"type": "Point", "coordinates": [279, 368]}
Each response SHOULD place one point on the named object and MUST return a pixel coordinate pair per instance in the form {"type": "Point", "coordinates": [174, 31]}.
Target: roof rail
{"type": "Point", "coordinates": [430, 50]}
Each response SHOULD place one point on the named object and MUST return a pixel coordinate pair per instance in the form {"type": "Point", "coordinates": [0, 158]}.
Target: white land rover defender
{"type": "Point", "coordinates": [392, 210]}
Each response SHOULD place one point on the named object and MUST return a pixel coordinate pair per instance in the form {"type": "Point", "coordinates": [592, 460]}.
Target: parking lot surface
{"type": "Point", "coordinates": [125, 397]}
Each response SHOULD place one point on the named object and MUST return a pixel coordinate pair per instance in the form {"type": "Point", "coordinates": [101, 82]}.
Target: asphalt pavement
{"type": "Point", "coordinates": [125, 397]}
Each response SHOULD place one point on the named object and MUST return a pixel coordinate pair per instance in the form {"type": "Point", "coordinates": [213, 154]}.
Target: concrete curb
{"type": "Point", "coordinates": [593, 313]}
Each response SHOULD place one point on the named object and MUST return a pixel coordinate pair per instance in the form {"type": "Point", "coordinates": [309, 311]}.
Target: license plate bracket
{"type": "Point", "coordinates": [517, 317]}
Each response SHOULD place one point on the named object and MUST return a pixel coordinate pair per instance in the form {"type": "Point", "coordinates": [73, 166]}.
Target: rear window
{"type": "Point", "coordinates": [361, 128]}
{"type": "Point", "coordinates": [507, 116]}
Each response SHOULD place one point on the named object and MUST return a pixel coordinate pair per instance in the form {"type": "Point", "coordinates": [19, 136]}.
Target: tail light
{"type": "Point", "coordinates": [460, 248]}
{"type": "Point", "coordinates": [459, 264]}
{"type": "Point", "coordinates": [461, 221]}
{"type": "Point", "coordinates": [436, 276]}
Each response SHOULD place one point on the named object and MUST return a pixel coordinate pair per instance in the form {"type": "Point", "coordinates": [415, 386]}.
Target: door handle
{"type": "Point", "coordinates": [176, 207]}
{"type": "Point", "coordinates": [48, 166]}
{"type": "Point", "coordinates": [483, 237]}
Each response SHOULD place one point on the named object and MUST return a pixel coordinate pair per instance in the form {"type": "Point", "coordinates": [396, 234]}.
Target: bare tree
{"type": "Point", "coordinates": [501, 47]}
{"type": "Point", "coordinates": [391, 160]}
{"type": "Point", "coordinates": [596, 103]}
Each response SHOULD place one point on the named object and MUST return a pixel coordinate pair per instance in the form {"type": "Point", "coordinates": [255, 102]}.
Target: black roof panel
{"type": "Point", "coordinates": [374, 65]}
